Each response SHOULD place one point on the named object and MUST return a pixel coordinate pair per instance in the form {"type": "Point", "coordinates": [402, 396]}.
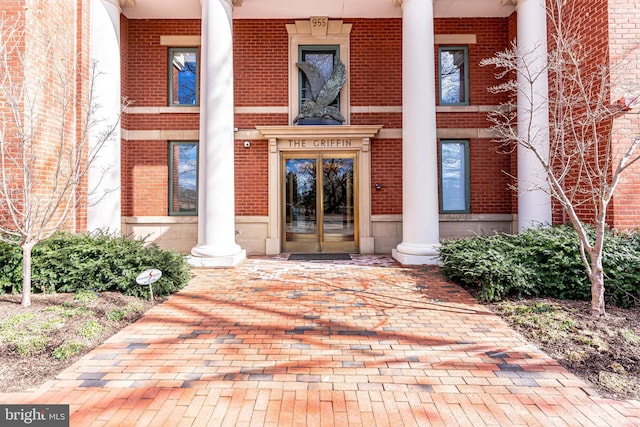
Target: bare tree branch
{"type": "Point", "coordinates": [45, 149]}
{"type": "Point", "coordinates": [583, 167]}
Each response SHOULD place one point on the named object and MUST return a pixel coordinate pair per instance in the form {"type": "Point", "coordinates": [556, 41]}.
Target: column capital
{"type": "Point", "coordinates": [117, 4]}
{"type": "Point", "coordinates": [234, 3]}
{"type": "Point", "coordinates": [400, 3]}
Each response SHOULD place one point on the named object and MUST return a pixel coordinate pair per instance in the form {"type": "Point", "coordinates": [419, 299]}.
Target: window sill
{"type": "Point", "coordinates": [163, 110]}
{"type": "Point", "coordinates": [465, 108]}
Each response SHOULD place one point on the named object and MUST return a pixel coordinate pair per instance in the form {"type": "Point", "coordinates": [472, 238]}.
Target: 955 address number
{"type": "Point", "coordinates": [319, 22]}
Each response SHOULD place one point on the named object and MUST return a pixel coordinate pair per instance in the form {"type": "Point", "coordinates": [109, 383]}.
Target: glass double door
{"type": "Point", "coordinates": [320, 210]}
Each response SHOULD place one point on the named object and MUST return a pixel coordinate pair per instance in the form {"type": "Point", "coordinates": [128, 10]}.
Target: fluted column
{"type": "Point", "coordinates": [103, 210]}
{"type": "Point", "coordinates": [420, 216]}
{"type": "Point", "coordinates": [216, 201]}
{"type": "Point", "coordinates": [534, 202]}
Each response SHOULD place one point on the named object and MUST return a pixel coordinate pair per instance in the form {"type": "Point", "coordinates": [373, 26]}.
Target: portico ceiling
{"type": "Point", "coordinates": [272, 9]}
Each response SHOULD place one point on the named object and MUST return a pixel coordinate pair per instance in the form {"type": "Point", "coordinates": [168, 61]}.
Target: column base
{"type": "Point", "coordinates": [217, 261]}
{"type": "Point", "coordinates": [417, 255]}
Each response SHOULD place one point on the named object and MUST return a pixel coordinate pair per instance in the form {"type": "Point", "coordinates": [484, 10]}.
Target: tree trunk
{"type": "Point", "coordinates": [26, 273]}
{"type": "Point", "coordinates": [597, 289]}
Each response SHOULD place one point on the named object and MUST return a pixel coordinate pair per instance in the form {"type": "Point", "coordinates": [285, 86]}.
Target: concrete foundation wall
{"type": "Point", "coordinates": [181, 233]}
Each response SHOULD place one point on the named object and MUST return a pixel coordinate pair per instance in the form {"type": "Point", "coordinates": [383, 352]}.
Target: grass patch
{"type": "Point", "coordinates": [629, 336]}
{"type": "Point", "coordinates": [67, 350]}
{"type": "Point", "coordinates": [84, 296]}
{"type": "Point", "coordinates": [90, 330]}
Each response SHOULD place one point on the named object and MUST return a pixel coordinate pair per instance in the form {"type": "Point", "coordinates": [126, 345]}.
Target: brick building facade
{"type": "Point", "coordinates": [210, 159]}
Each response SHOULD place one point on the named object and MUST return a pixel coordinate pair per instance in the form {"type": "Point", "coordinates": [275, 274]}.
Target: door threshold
{"type": "Point", "coordinates": [319, 257]}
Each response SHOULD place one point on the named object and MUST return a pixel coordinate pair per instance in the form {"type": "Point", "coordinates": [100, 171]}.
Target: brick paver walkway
{"type": "Point", "coordinates": [365, 343]}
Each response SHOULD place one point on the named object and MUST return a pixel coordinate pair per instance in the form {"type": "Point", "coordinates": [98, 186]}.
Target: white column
{"type": "Point", "coordinates": [420, 221]}
{"type": "Point", "coordinates": [103, 210]}
{"type": "Point", "coordinates": [216, 203]}
{"type": "Point", "coordinates": [534, 202]}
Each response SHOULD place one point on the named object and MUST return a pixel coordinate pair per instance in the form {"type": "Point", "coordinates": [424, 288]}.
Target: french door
{"type": "Point", "coordinates": [319, 202]}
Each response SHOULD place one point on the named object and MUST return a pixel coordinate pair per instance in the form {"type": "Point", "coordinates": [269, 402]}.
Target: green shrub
{"type": "Point", "coordinates": [95, 262]}
{"type": "Point", "coordinates": [10, 268]}
{"type": "Point", "coordinates": [553, 254]}
{"type": "Point", "coordinates": [542, 261]}
{"type": "Point", "coordinates": [487, 263]}
{"type": "Point", "coordinates": [621, 262]}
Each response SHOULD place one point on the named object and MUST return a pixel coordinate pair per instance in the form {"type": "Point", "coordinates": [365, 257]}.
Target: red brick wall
{"type": "Point", "coordinates": [14, 18]}
{"type": "Point", "coordinates": [512, 35]}
{"type": "Point", "coordinates": [624, 55]}
{"type": "Point", "coordinates": [376, 63]}
{"type": "Point", "coordinates": [492, 35]}
{"type": "Point", "coordinates": [49, 38]}
{"type": "Point", "coordinates": [147, 85]}
{"type": "Point", "coordinates": [386, 169]}
{"type": "Point", "coordinates": [587, 21]}
{"type": "Point", "coordinates": [145, 164]}
{"type": "Point", "coordinates": [83, 46]}
{"type": "Point", "coordinates": [124, 64]}
{"type": "Point", "coordinates": [252, 178]}
{"type": "Point", "coordinates": [145, 178]}
{"type": "Point", "coordinates": [261, 63]}
{"type": "Point", "coordinates": [490, 170]}
{"type": "Point", "coordinates": [261, 79]}
{"type": "Point", "coordinates": [249, 121]}
{"type": "Point", "coordinates": [174, 121]}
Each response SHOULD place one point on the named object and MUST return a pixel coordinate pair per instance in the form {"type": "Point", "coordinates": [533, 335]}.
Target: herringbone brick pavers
{"type": "Point", "coordinates": [363, 343]}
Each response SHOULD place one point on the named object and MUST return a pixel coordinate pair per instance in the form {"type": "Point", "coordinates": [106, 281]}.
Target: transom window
{"type": "Point", "coordinates": [453, 66]}
{"type": "Point", "coordinates": [455, 195]}
{"type": "Point", "coordinates": [183, 76]}
{"type": "Point", "coordinates": [183, 178]}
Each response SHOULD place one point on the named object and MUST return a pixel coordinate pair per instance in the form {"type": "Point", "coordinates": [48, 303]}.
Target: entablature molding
{"type": "Point", "coordinates": [319, 132]}
{"type": "Point", "coordinates": [333, 27]}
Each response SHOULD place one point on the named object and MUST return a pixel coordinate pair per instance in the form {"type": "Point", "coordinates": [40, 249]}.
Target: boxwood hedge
{"type": "Point", "coordinates": [98, 261]}
{"type": "Point", "coordinates": [542, 261]}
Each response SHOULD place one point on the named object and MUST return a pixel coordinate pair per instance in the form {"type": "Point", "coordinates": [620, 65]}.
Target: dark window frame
{"type": "Point", "coordinates": [464, 85]}
{"type": "Point", "coordinates": [172, 147]}
{"type": "Point", "coordinates": [467, 176]}
{"type": "Point", "coordinates": [171, 95]}
{"type": "Point", "coordinates": [302, 50]}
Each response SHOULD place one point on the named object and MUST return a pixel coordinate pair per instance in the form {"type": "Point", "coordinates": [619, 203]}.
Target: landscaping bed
{"type": "Point", "coordinates": [604, 351]}
{"type": "Point", "coordinates": [39, 341]}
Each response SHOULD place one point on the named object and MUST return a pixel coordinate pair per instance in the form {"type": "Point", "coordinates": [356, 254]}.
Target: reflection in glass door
{"type": "Point", "coordinates": [319, 221]}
